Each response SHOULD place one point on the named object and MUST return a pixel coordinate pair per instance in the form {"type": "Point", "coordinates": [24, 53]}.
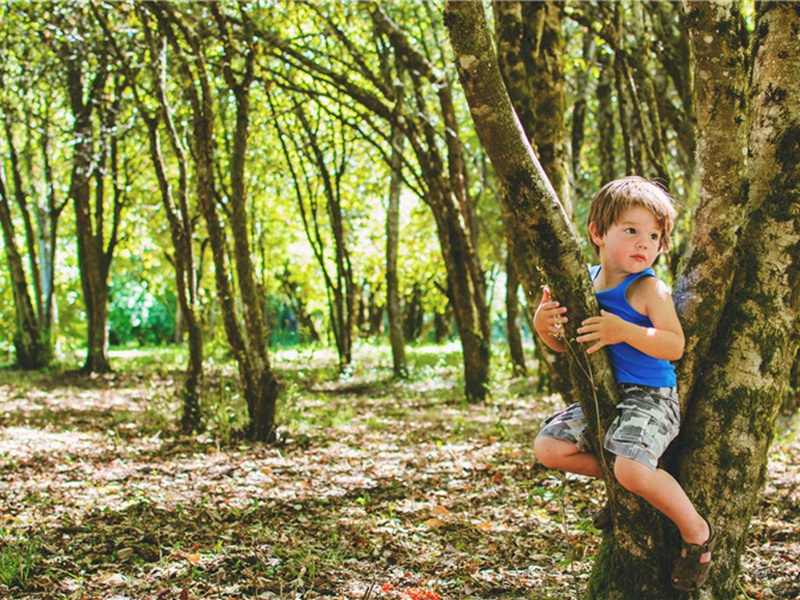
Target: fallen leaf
{"type": "Point", "coordinates": [433, 523]}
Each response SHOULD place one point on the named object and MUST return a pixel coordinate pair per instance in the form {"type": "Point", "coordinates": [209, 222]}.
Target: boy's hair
{"type": "Point", "coordinates": [619, 195]}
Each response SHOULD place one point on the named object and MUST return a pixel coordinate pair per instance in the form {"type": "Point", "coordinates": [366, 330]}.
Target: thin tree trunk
{"type": "Point", "coordinates": [513, 331]}
{"type": "Point", "coordinates": [396, 337]}
{"type": "Point", "coordinates": [32, 336]}
{"type": "Point", "coordinates": [89, 241]}
{"type": "Point", "coordinates": [31, 349]}
{"type": "Point", "coordinates": [259, 384]}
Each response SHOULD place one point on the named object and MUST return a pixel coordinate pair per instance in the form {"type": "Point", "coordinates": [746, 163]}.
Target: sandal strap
{"type": "Point", "coordinates": [695, 550]}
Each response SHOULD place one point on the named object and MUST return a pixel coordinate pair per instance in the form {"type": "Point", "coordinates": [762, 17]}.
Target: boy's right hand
{"type": "Point", "coordinates": [549, 320]}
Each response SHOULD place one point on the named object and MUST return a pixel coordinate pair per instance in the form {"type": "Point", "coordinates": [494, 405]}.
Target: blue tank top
{"type": "Point", "coordinates": [629, 364]}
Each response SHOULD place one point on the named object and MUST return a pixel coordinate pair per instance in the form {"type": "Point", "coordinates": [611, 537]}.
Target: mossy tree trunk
{"type": "Point", "coordinates": [742, 271]}
{"type": "Point", "coordinates": [743, 367]}
{"type": "Point", "coordinates": [530, 54]}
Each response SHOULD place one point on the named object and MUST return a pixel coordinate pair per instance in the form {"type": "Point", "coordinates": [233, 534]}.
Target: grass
{"type": "Point", "coordinates": [17, 559]}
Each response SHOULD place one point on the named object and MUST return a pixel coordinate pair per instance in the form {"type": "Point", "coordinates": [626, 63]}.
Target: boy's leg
{"type": "Point", "coordinates": [560, 454]}
{"type": "Point", "coordinates": [664, 492]}
{"type": "Point", "coordinates": [562, 444]}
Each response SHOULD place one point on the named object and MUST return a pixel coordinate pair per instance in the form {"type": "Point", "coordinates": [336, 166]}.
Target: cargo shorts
{"type": "Point", "coordinates": [648, 419]}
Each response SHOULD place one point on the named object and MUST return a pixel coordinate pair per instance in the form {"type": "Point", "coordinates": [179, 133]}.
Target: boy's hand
{"type": "Point", "coordinates": [549, 317]}
{"type": "Point", "coordinates": [604, 330]}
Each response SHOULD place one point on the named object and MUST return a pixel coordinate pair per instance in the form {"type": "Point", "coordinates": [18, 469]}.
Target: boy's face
{"type": "Point", "coordinates": [632, 243]}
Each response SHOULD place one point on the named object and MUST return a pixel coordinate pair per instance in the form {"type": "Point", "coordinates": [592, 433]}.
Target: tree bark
{"type": "Point", "coordinates": [92, 258]}
{"type": "Point", "coordinates": [396, 338]}
{"type": "Point", "coordinates": [530, 55]}
{"type": "Point", "coordinates": [721, 454]}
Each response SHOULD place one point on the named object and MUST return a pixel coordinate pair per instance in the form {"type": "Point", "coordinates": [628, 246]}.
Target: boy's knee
{"type": "Point", "coordinates": [631, 475]}
{"type": "Point", "coordinates": [546, 450]}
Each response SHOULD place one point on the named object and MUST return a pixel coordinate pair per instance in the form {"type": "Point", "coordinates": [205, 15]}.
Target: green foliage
{"type": "Point", "coordinates": [17, 559]}
{"type": "Point", "coordinates": [224, 409]}
{"type": "Point", "coordinates": [136, 314]}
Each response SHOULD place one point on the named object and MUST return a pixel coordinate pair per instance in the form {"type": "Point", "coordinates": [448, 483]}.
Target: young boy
{"type": "Point", "coordinates": [630, 221]}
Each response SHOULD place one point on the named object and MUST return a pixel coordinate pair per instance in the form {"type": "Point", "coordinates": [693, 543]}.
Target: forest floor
{"type": "Point", "coordinates": [376, 490]}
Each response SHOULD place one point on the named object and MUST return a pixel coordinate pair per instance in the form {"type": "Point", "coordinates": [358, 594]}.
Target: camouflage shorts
{"type": "Point", "coordinates": [647, 421]}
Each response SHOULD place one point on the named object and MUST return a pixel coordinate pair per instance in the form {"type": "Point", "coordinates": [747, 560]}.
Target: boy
{"type": "Point", "coordinates": [630, 221]}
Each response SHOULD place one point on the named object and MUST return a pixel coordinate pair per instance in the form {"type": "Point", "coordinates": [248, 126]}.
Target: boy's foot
{"type": "Point", "coordinates": [690, 573]}
{"type": "Point", "coordinates": [602, 518]}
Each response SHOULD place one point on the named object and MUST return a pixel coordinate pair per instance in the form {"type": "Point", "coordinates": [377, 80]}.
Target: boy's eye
{"type": "Point", "coordinates": [655, 236]}
{"type": "Point", "coordinates": [630, 230]}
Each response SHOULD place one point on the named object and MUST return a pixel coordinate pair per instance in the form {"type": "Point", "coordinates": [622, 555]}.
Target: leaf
{"type": "Point", "coordinates": [434, 523]}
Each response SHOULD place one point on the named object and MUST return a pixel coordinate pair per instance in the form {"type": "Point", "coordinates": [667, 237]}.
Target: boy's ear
{"type": "Point", "coordinates": [596, 237]}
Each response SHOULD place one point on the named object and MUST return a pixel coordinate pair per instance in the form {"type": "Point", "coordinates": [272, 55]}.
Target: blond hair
{"type": "Point", "coordinates": [617, 196]}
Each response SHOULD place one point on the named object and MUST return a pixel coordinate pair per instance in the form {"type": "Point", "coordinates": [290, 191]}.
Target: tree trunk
{"type": "Point", "coordinates": [91, 256]}
{"type": "Point", "coordinates": [721, 455]}
{"type": "Point", "coordinates": [396, 337]}
{"type": "Point", "coordinates": [731, 415]}
{"type": "Point", "coordinates": [533, 202]}
{"type": "Point", "coordinates": [447, 195]}
{"type": "Point", "coordinates": [340, 285]}
{"type": "Point", "coordinates": [32, 336]}
{"type": "Point", "coordinates": [176, 208]}
{"type": "Point", "coordinates": [258, 381]}
{"type": "Point", "coordinates": [31, 346]}
{"type": "Point", "coordinates": [605, 118]}
{"type": "Point", "coordinates": [513, 330]}
{"type": "Point", "coordinates": [530, 57]}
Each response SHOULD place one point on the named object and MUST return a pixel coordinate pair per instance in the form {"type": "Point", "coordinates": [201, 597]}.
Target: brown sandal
{"type": "Point", "coordinates": [602, 518]}
{"type": "Point", "coordinates": [689, 573]}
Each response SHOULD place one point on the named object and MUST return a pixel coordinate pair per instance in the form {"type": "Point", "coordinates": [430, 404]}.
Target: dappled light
{"type": "Point", "coordinates": [396, 490]}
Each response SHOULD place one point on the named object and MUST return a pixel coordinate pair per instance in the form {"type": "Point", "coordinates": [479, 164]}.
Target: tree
{"type": "Point", "coordinates": [175, 198]}
{"type": "Point", "coordinates": [430, 124]}
{"type": "Point", "coordinates": [94, 96]}
{"type": "Point", "coordinates": [245, 327]}
{"type": "Point", "coordinates": [741, 271]}
{"type": "Point", "coordinates": [37, 203]}
{"type": "Point", "coordinates": [324, 145]}
{"type": "Point", "coordinates": [395, 314]}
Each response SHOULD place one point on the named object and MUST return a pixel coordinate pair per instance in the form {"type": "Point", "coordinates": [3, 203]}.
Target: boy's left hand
{"type": "Point", "coordinates": [605, 330]}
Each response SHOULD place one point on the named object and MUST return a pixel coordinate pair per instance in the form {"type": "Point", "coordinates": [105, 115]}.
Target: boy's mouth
{"type": "Point", "coordinates": [638, 257]}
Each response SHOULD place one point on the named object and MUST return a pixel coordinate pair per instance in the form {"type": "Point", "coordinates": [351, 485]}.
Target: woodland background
{"type": "Point", "coordinates": [275, 222]}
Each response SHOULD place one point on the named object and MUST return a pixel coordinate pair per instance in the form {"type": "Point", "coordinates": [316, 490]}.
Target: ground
{"type": "Point", "coordinates": [376, 489]}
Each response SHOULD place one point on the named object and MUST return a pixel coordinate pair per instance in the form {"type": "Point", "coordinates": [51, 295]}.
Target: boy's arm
{"type": "Point", "coordinates": [548, 321]}
{"type": "Point", "coordinates": [664, 340]}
